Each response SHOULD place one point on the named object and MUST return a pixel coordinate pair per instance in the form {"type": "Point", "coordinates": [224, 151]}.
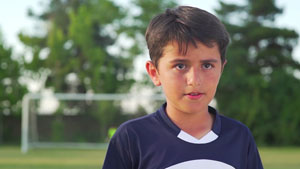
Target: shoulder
{"type": "Point", "coordinates": [234, 126]}
{"type": "Point", "coordinates": [140, 121]}
{"type": "Point", "coordinates": [230, 122]}
{"type": "Point", "coordinates": [136, 126]}
{"type": "Point", "coordinates": [239, 138]}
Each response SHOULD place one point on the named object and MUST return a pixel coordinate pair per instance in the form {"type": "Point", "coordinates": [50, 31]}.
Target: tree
{"type": "Point", "coordinates": [12, 90]}
{"type": "Point", "coordinates": [74, 48]}
{"type": "Point", "coordinates": [135, 23]}
{"type": "Point", "coordinates": [259, 86]}
{"type": "Point", "coordinates": [79, 48]}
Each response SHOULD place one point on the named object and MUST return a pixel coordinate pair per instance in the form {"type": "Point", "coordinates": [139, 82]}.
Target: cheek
{"type": "Point", "coordinates": [172, 81]}
{"type": "Point", "coordinates": [213, 79]}
{"type": "Point", "coordinates": [171, 75]}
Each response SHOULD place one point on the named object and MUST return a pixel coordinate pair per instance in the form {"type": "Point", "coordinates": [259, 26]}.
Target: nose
{"type": "Point", "coordinates": [194, 77]}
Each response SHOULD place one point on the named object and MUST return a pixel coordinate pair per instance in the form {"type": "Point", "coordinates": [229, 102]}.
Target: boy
{"type": "Point", "coordinates": [187, 47]}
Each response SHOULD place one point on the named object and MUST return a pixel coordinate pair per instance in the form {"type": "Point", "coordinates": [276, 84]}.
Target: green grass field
{"type": "Point", "coordinates": [11, 158]}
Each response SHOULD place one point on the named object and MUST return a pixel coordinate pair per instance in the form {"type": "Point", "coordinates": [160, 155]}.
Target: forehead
{"type": "Point", "coordinates": [175, 48]}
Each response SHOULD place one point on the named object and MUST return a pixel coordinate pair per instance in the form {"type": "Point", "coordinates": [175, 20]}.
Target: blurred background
{"type": "Point", "coordinates": [92, 52]}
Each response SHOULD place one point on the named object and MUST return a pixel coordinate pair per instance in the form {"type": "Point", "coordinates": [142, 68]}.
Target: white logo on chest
{"type": "Point", "coordinates": [201, 164]}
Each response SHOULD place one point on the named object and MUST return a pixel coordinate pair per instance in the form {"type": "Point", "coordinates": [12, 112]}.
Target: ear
{"type": "Point", "coordinates": [153, 73]}
{"type": "Point", "coordinates": [223, 65]}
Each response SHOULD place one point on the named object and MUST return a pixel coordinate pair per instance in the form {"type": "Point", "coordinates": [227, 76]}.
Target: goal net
{"type": "Point", "coordinates": [79, 120]}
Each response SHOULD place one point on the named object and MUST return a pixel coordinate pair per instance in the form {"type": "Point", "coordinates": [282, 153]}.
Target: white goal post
{"type": "Point", "coordinates": [26, 144]}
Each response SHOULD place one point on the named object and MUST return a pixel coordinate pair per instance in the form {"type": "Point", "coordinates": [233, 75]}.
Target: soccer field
{"type": "Point", "coordinates": [11, 158]}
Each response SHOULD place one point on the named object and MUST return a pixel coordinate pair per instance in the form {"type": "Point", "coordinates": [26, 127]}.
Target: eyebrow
{"type": "Point", "coordinates": [202, 61]}
{"type": "Point", "coordinates": [179, 61]}
{"type": "Point", "coordinates": [209, 61]}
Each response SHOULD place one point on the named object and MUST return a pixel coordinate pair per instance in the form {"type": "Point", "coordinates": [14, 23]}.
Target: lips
{"type": "Point", "coordinates": [194, 95]}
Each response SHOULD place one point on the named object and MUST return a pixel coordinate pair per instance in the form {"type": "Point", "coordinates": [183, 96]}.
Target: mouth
{"type": "Point", "coordinates": [194, 95]}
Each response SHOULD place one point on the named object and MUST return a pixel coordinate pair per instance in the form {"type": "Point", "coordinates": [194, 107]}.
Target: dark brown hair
{"type": "Point", "coordinates": [185, 25]}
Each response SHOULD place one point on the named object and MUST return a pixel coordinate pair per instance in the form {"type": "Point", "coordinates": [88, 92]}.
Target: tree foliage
{"type": "Point", "coordinates": [78, 36]}
{"type": "Point", "coordinates": [83, 50]}
{"type": "Point", "coordinates": [259, 86]}
{"type": "Point", "coordinates": [12, 90]}
{"type": "Point", "coordinates": [74, 47]}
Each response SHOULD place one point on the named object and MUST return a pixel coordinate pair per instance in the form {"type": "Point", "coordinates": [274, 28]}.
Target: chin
{"type": "Point", "coordinates": [196, 108]}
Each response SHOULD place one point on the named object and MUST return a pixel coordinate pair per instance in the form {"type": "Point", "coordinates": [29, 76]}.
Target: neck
{"type": "Point", "coordinates": [196, 124]}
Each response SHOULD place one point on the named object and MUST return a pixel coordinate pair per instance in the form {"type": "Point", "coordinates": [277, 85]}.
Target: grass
{"type": "Point", "coordinates": [11, 158]}
{"type": "Point", "coordinates": [281, 158]}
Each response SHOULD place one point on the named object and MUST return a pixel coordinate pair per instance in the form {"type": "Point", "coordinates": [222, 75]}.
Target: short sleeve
{"type": "Point", "coordinates": [118, 154]}
{"type": "Point", "coordinates": [253, 160]}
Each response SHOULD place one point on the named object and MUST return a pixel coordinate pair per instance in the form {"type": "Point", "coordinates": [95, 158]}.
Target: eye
{"type": "Point", "coordinates": [207, 66]}
{"type": "Point", "coordinates": [180, 66]}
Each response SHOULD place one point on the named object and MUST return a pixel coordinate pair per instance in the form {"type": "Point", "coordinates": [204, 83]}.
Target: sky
{"type": "Point", "coordinates": [14, 19]}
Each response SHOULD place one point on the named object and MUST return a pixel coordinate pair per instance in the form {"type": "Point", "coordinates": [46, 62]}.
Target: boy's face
{"type": "Point", "coordinates": [188, 81]}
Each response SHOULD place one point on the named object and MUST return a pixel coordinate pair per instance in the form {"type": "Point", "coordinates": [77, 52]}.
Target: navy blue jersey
{"type": "Point", "coordinates": [155, 142]}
